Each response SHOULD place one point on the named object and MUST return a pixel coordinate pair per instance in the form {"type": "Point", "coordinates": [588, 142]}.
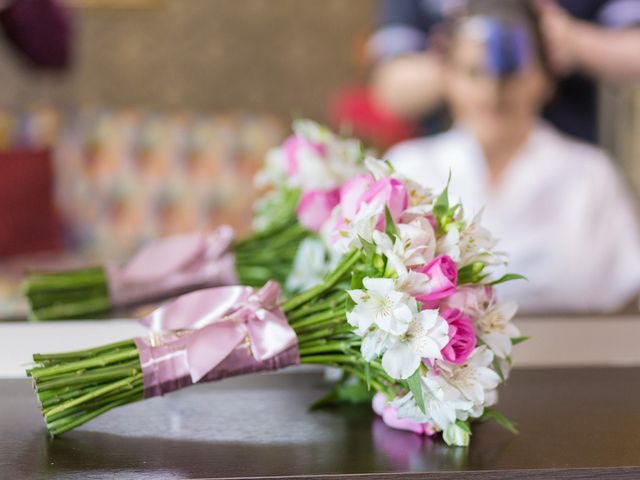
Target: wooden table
{"type": "Point", "coordinates": [574, 423]}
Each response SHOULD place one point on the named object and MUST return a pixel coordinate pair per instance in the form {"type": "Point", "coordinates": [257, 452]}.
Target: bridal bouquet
{"type": "Point", "coordinates": [408, 309]}
{"type": "Point", "coordinates": [302, 176]}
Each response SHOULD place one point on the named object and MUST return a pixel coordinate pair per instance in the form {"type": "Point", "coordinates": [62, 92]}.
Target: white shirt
{"type": "Point", "coordinates": [560, 210]}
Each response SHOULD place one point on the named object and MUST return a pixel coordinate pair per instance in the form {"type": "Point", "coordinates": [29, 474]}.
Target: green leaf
{"type": "Point", "coordinates": [508, 277]}
{"type": "Point", "coordinates": [497, 368]}
{"type": "Point", "coordinates": [390, 228]}
{"type": "Point", "coordinates": [356, 279]}
{"type": "Point", "coordinates": [471, 273]}
{"type": "Point", "coordinates": [490, 413]}
{"type": "Point", "coordinates": [441, 206]}
{"type": "Point", "coordinates": [464, 426]}
{"type": "Point", "coordinates": [415, 386]}
{"type": "Point", "coordinates": [379, 264]}
{"type": "Point", "coordinates": [369, 248]}
{"type": "Point", "coordinates": [344, 393]}
{"type": "Point", "coordinates": [517, 340]}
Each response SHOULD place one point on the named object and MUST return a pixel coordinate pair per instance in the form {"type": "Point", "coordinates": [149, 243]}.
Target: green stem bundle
{"type": "Point", "coordinates": [75, 387]}
{"type": "Point", "coordinates": [261, 256]}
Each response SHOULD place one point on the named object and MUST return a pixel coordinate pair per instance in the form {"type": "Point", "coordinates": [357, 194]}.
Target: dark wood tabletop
{"type": "Point", "coordinates": [574, 423]}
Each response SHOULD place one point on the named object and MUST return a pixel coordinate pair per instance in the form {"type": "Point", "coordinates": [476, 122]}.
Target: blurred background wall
{"type": "Point", "coordinates": [260, 55]}
{"type": "Point", "coordinates": [279, 56]}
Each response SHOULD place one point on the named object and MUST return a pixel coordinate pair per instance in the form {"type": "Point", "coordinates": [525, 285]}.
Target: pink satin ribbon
{"type": "Point", "coordinates": [230, 331]}
{"type": "Point", "coordinates": [173, 265]}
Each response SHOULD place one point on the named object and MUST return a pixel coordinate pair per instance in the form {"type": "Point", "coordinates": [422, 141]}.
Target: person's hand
{"type": "Point", "coordinates": [410, 85]}
{"type": "Point", "coordinates": [558, 32]}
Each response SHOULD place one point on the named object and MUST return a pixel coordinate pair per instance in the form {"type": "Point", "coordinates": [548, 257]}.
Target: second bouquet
{"type": "Point", "coordinates": [302, 180]}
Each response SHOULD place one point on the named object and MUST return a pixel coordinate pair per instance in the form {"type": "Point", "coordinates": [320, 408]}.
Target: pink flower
{"type": "Point", "coordinates": [390, 417]}
{"type": "Point", "coordinates": [471, 299]}
{"type": "Point", "coordinates": [292, 147]}
{"type": "Point", "coordinates": [351, 194]}
{"type": "Point", "coordinates": [363, 189]}
{"type": "Point", "coordinates": [462, 336]}
{"type": "Point", "coordinates": [390, 192]}
{"type": "Point", "coordinates": [315, 208]}
{"type": "Point", "coordinates": [443, 280]}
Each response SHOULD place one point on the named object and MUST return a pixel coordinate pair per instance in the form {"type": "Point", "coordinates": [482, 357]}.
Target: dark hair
{"type": "Point", "coordinates": [510, 12]}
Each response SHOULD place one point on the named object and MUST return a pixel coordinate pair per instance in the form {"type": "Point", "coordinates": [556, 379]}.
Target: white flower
{"type": "Point", "coordinates": [311, 264]}
{"type": "Point", "coordinates": [274, 172]}
{"type": "Point", "coordinates": [442, 403]}
{"type": "Point", "coordinates": [325, 161]}
{"type": "Point", "coordinates": [414, 245]}
{"type": "Point", "coordinates": [375, 342]}
{"type": "Point", "coordinates": [420, 200]}
{"type": "Point", "coordinates": [414, 283]}
{"type": "Point", "coordinates": [452, 392]}
{"type": "Point", "coordinates": [475, 380]}
{"type": "Point", "coordinates": [494, 327]}
{"type": "Point", "coordinates": [361, 226]}
{"type": "Point", "coordinates": [378, 168]}
{"type": "Point", "coordinates": [449, 244]}
{"type": "Point", "coordinates": [314, 171]}
{"type": "Point", "coordinates": [380, 304]}
{"type": "Point", "coordinates": [426, 335]}
{"type": "Point", "coordinates": [313, 131]}
{"type": "Point", "coordinates": [477, 242]}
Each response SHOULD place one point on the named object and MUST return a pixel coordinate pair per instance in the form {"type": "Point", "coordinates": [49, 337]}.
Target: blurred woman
{"type": "Point", "coordinates": [557, 205]}
{"type": "Point", "coordinates": [587, 41]}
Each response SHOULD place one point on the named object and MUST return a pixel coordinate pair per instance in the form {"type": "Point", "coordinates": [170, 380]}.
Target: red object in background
{"type": "Point", "coordinates": [28, 219]}
{"type": "Point", "coordinates": [355, 109]}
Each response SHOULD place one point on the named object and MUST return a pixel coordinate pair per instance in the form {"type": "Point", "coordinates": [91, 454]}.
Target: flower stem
{"type": "Point", "coordinates": [345, 265]}
{"type": "Point", "coordinates": [319, 319]}
{"type": "Point", "coordinates": [99, 361]}
{"type": "Point", "coordinates": [93, 394]}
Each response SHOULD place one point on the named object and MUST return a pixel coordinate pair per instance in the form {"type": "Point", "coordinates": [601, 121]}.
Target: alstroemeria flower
{"type": "Point", "coordinates": [471, 299]}
{"type": "Point", "coordinates": [414, 245]}
{"type": "Point", "coordinates": [462, 337]}
{"type": "Point", "coordinates": [315, 208]}
{"type": "Point", "coordinates": [472, 243]}
{"type": "Point", "coordinates": [390, 417]}
{"type": "Point", "coordinates": [362, 209]}
{"type": "Point", "coordinates": [345, 234]}
{"type": "Point", "coordinates": [379, 168]}
{"type": "Point", "coordinates": [294, 147]}
{"type": "Point", "coordinates": [420, 201]}
{"type": "Point", "coordinates": [363, 190]}
{"type": "Point", "coordinates": [473, 379]}
{"type": "Point", "coordinates": [375, 342]}
{"type": "Point", "coordinates": [312, 263]}
{"type": "Point", "coordinates": [442, 402]}
{"type": "Point", "coordinates": [390, 193]}
{"type": "Point", "coordinates": [425, 337]}
{"type": "Point", "coordinates": [494, 327]}
{"type": "Point", "coordinates": [443, 279]}
{"type": "Point", "coordinates": [449, 244]}
{"type": "Point", "coordinates": [380, 304]}
{"type": "Point", "coordinates": [351, 194]}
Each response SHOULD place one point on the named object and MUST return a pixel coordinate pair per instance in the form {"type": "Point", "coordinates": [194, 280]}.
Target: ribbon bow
{"type": "Point", "coordinates": [174, 264]}
{"type": "Point", "coordinates": [224, 318]}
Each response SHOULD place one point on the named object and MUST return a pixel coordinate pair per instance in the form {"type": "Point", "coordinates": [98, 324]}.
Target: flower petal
{"type": "Point", "coordinates": [400, 361]}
